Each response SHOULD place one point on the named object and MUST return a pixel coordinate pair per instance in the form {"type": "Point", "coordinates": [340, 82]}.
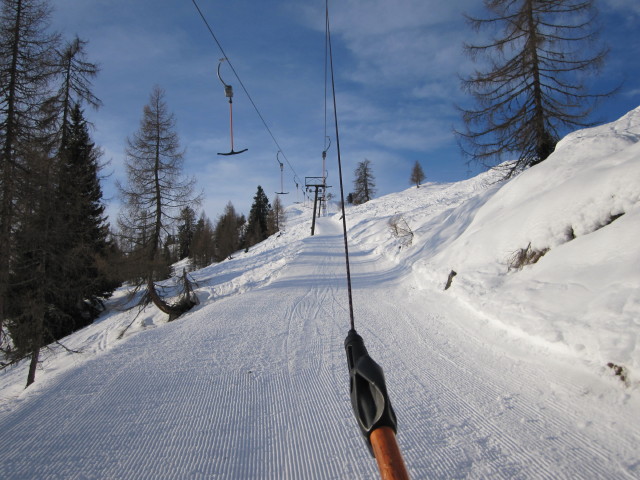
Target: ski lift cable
{"type": "Point", "coordinates": [369, 396]}
{"type": "Point", "coordinates": [329, 60]}
{"type": "Point", "coordinates": [255, 107]}
{"type": "Point", "coordinates": [327, 139]}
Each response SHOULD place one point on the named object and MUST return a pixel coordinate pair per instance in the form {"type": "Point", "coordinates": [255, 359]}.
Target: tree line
{"type": "Point", "coordinates": [60, 258]}
{"type": "Point", "coordinates": [55, 267]}
{"type": "Point", "coordinates": [204, 242]}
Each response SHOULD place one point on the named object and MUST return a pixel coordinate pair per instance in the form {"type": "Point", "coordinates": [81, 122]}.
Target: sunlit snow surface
{"type": "Point", "coordinates": [504, 375]}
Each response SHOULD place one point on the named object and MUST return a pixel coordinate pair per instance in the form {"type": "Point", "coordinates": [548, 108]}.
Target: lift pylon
{"type": "Point", "coordinates": [320, 187]}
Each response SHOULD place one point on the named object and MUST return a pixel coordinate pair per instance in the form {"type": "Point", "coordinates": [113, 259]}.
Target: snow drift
{"type": "Point", "coordinates": [582, 205]}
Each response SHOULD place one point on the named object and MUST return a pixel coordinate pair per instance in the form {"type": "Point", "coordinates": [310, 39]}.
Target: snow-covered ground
{"type": "Point", "coordinates": [503, 375]}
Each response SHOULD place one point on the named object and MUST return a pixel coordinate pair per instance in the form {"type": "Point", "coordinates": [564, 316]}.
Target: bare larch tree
{"type": "Point", "coordinates": [156, 193]}
{"type": "Point", "coordinates": [364, 186]}
{"type": "Point", "coordinates": [532, 89]}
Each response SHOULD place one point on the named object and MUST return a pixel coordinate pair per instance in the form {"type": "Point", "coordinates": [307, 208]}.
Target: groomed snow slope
{"type": "Point", "coordinates": [502, 376]}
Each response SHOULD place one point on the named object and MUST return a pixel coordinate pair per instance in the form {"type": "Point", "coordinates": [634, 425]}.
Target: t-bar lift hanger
{"type": "Point", "coordinates": [281, 192]}
{"type": "Point", "coordinates": [228, 92]}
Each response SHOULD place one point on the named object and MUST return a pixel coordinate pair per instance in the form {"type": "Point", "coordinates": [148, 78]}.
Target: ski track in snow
{"type": "Point", "coordinates": [254, 384]}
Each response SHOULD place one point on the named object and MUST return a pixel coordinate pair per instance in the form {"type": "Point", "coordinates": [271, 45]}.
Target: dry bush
{"type": "Point", "coordinates": [401, 230]}
{"type": "Point", "coordinates": [619, 371]}
{"type": "Point", "coordinates": [525, 256]}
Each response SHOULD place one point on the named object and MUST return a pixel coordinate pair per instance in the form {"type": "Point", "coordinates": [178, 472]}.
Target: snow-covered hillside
{"type": "Point", "coordinates": [503, 375]}
{"type": "Point", "coordinates": [583, 296]}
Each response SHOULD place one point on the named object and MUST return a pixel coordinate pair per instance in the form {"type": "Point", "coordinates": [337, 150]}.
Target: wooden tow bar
{"type": "Point", "coordinates": [373, 410]}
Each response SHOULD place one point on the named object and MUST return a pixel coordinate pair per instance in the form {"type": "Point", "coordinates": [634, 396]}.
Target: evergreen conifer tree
{"type": "Point", "coordinates": [81, 228]}
{"type": "Point", "coordinates": [227, 232]}
{"type": "Point", "coordinates": [417, 175]}
{"type": "Point", "coordinates": [185, 232]}
{"type": "Point", "coordinates": [204, 250]}
{"type": "Point", "coordinates": [258, 224]}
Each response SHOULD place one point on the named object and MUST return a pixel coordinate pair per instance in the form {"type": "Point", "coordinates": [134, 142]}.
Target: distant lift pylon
{"type": "Point", "coordinates": [228, 92]}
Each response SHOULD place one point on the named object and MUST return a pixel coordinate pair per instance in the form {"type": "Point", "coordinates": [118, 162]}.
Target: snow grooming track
{"type": "Point", "coordinates": [254, 384]}
{"type": "Point", "coordinates": [485, 415]}
{"type": "Point", "coordinates": [249, 386]}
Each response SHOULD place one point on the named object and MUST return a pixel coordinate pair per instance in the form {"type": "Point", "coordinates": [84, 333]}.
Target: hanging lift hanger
{"type": "Point", "coordinates": [228, 92]}
{"type": "Point", "coordinates": [281, 192]}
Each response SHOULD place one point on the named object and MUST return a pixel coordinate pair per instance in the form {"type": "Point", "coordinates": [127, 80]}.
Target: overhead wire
{"type": "Point", "coordinates": [369, 396]}
{"type": "Point", "coordinates": [335, 118]}
{"type": "Point", "coordinates": [255, 107]}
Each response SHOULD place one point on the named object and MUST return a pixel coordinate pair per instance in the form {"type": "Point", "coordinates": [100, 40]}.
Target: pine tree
{"type": "Point", "coordinates": [186, 231]}
{"type": "Point", "coordinates": [204, 244]}
{"type": "Point", "coordinates": [156, 193]}
{"type": "Point", "coordinates": [364, 183]}
{"type": "Point", "coordinates": [227, 232]}
{"type": "Point", "coordinates": [81, 229]}
{"type": "Point", "coordinates": [258, 225]}
{"type": "Point", "coordinates": [534, 87]}
{"type": "Point", "coordinates": [417, 175]}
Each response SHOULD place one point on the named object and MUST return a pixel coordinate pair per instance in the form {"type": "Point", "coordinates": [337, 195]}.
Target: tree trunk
{"type": "Point", "coordinates": [183, 305]}
{"type": "Point", "coordinates": [542, 140]}
{"type": "Point", "coordinates": [31, 377]}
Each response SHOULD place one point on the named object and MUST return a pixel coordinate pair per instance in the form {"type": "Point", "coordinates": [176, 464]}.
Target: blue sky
{"type": "Point", "coordinates": [397, 66]}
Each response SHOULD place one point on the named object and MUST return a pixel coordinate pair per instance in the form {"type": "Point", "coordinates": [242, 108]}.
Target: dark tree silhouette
{"type": "Point", "coordinates": [364, 184]}
{"type": "Point", "coordinates": [26, 68]}
{"type": "Point", "coordinates": [75, 88]}
{"type": "Point", "coordinates": [81, 230]}
{"type": "Point", "coordinates": [258, 224]}
{"type": "Point", "coordinates": [156, 193]}
{"type": "Point", "coordinates": [204, 243]}
{"type": "Point", "coordinates": [417, 175]}
{"type": "Point", "coordinates": [228, 232]}
{"type": "Point", "coordinates": [277, 216]}
{"type": "Point", "coordinates": [533, 88]}
{"type": "Point", "coordinates": [186, 230]}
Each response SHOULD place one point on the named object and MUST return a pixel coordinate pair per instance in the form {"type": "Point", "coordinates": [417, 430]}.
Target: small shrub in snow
{"type": "Point", "coordinates": [618, 371]}
{"type": "Point", "coordinates": [401, 230]}
{"type": "Point", "coordinates": [525, 256]}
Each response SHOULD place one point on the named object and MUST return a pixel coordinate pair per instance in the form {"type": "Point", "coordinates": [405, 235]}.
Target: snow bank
{"type": "Point", "coordinates": [582, 204]}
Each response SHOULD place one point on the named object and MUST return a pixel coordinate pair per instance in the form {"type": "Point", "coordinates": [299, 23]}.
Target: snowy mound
{"type": "Point", "coordinates": [580, 209]}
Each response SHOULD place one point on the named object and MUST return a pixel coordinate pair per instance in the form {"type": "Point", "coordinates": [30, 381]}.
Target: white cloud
{"type": "Point", "coordinates": [625, 6]}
